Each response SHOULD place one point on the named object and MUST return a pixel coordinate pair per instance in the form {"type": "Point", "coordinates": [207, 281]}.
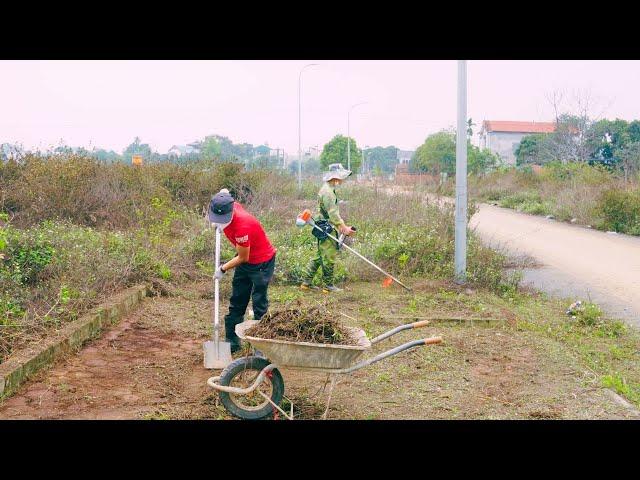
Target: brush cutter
{"type": "Point", "coordinates": [217, 354]}
{"type": "Point", "coordinates": [305, 219]}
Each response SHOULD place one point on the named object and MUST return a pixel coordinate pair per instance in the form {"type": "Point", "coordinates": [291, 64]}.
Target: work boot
{"type": "Point", "coordinates": [331, 289]}
{"type": "Point", "coordinates": [307, 286]}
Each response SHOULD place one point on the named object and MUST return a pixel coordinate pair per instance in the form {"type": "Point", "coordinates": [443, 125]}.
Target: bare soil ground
{"type": "Point", "coordinates": [149, 366]}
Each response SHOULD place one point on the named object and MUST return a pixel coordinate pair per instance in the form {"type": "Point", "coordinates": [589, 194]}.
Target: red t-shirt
{"type": "Point", "coordinates": [245, 230]}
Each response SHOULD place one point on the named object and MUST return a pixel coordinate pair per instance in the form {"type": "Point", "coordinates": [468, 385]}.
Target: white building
{"type": "Point", "coordinates": [181, 150]}
{"type": "Point", "coordinates": [404, 156]}
{"type": "Point", "coordinates": [503, 137]}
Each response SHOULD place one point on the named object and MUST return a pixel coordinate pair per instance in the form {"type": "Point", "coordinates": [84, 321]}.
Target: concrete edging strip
{"type": "Point", "coordinates": [25, 363]}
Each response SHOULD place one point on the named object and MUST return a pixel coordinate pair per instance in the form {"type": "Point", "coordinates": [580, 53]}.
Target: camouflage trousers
{"type": "Point", "coordinates": [325, 258]}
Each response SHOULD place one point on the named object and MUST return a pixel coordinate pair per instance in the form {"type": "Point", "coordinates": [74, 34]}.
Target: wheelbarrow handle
{"type": "Point", "coordinates": [389, 353]}
{"type": "Point", "coordinates": [390, 333]}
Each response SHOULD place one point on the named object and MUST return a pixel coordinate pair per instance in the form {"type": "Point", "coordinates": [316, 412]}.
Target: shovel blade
{"type": "Point", "coordinates": [217, 355]}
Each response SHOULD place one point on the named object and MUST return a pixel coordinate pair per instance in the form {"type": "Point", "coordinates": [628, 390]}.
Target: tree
{"type": "Point", "coordinates": [573, 139]}
{"type": "Point", "coordinates": [210, 148]}
{"type": "Point", "coordinates": [437, 154]}
{"type": "Point", "coordinates": [530, 150]}
{"type": "Point", "coordinates": [336, 152]}
{"type": "Point", "coordinates": [310, 166]}
{"type": "Point", "coordinates": [630, 160]}
{"type": "Point", "coordinates": [480, 161]}
{"type": "Point", "coordinates": [137, 148]}
{"type": "Point", "coordinates": [470, 126]}
{"type": "Point", "coordinates": [381, 159]}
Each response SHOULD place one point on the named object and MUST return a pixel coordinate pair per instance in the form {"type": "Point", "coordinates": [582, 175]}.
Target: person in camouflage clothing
{"type": "Point", "coordinates": [327, 248]}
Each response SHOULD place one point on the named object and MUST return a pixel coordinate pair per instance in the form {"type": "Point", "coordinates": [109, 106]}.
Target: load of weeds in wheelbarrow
{"type": "Point", "coordinates": [316, 324]}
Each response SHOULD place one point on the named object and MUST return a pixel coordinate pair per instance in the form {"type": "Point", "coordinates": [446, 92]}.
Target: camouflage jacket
{"type": "Point", "coordinates": [328, 205]}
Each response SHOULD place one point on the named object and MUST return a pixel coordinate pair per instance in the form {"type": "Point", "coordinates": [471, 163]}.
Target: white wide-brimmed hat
{"type": "Point", "coordinates": [336, 170]}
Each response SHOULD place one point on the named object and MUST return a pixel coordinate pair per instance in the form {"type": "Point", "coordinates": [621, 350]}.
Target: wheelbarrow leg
{"type": "Point", "coordinates": [333, 384]}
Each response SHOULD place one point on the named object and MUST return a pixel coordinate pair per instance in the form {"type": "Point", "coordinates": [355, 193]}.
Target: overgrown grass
{"type": "Point", "coordinates": [74, 230]}
{"type": "Point", "coordinates": [608, 348]}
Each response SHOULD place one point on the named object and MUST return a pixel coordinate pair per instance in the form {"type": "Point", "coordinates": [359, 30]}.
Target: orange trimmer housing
{"type": "Point", "coordinates": [305, 215]}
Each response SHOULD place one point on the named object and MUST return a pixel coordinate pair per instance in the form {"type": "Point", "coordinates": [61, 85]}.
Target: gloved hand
{"type": "Point", "coordinates": [345, 229]}
{"type": "Point", "coordinates": [219, 274]}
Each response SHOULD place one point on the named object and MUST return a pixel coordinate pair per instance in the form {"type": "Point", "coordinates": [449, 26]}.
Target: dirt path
{"type": "Point", "coordinates": [149, 366]}
{"type": "Point", "coordinates": [576, 261]}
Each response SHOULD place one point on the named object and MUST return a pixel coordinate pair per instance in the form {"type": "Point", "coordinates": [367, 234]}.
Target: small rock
{"type": "Point", "coordinates": [613, 233]}
{"type": "Point", "coordinates": [550, 217]}
{"type": "Point", "coordinates": [574, 220]}
{"type": "Point", "coordinates": [588, 226]}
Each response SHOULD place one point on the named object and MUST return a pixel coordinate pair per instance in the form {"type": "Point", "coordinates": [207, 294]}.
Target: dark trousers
{"type": "Point", "coordinates": [250, 281]}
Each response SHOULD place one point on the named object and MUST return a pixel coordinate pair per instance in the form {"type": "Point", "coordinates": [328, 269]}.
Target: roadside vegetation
{"type": "Point", "coordinates": [585, 172]}
{"type": "Point", "coordinates": [73, 230]}
{"type": "Point", "coordinates": [573, 192]}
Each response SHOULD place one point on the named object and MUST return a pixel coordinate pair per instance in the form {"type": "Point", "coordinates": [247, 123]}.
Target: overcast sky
{"type": "Point", "coordinates": [107, 103]}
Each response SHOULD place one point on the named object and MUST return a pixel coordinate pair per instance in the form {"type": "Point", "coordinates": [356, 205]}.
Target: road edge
{"type": "Point", "coordinates": [17, 370]}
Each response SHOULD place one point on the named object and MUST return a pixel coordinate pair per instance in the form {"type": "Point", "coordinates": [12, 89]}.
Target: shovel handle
{"type": "Point", "coordinates": [432, 340]}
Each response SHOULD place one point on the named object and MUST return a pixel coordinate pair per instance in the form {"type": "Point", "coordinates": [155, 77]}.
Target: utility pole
{"type": "Point", "coordinates": [300, 124]}
{"type": "Point", "coordinates": [461, 177]}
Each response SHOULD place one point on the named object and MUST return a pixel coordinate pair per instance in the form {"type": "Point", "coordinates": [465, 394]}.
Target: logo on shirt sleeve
{"type": "Point", "coordinates": [244, 239]}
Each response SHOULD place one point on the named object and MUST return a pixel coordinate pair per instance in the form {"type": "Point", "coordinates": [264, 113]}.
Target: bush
{"type": "Point", "coordinates": [620, 211]}
{"type": "Point", "coordinates": [87, 192]}
{"type": "Point", "coordinates": [54, 271]}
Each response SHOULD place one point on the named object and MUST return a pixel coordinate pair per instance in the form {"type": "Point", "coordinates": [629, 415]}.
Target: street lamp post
{"type": "Point", "coordinates": [300, 124]}
{"type": "Point", "coordinates": [349, 134]}
{"type": "Point", "coordinates": [461, 177]}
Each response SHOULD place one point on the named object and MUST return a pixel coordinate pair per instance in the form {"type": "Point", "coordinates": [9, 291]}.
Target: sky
{"type": "Point", "coordinates": [105, 104]}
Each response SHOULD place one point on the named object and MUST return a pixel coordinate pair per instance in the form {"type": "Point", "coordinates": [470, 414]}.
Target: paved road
{"type": "Point", "coordinates": [577, 262]}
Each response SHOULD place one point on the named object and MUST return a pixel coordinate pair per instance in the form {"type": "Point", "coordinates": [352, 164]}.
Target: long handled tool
{"type": "Point", "coordinates": [217, 354]}
{"type": "Point", "coordinates": [305, 219]}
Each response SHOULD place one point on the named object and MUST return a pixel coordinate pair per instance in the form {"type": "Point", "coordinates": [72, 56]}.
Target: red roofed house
{"type": "Point", "coordinates": [503, 137]}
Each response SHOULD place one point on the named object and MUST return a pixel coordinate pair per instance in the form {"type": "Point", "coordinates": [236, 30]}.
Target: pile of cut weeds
{"type": "Point", "coordinates": [313, 325]}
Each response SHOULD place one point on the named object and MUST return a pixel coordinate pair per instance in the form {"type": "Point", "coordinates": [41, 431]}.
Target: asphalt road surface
{"type": "Point", "coordinates": [576, 262]}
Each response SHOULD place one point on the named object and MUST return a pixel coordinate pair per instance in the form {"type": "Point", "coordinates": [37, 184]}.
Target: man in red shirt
{"type": "Point", "coordinates": [254, 262]}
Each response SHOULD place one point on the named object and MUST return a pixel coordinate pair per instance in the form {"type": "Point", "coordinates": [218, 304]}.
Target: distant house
{"type": "Point", "coordinates": [182, 150]}
{"type": "Point", "coordinates": [503, 137]}
{"type": "Point", "coordinates": [404, 156]}
{"type": "Point", "coordinates": [261, 151]}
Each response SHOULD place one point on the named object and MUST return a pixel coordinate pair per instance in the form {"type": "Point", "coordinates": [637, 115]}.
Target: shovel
{"type": "Point", "coordinates": [217, 354]}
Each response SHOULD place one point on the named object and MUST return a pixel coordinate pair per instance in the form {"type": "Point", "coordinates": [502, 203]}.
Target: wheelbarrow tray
{"type": "Point", "coordinates": [285, 353]}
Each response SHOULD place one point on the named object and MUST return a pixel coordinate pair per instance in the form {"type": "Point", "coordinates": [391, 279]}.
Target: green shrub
{"type": "Point", "coordinates": [516, 200]}
{"type": "Point", "coordinates": [620, 211]}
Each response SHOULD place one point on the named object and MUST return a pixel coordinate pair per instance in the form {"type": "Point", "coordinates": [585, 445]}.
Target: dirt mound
{"type": "Point", "coordinates": [313, 325]}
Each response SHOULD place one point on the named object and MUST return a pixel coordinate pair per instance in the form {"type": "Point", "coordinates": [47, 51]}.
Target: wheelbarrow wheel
{"type": "Point", "coordinates": [242, 373]}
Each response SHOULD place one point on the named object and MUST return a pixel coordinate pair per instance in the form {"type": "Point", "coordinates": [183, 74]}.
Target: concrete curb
{"type": "Point", "coordinates": [24, 364]}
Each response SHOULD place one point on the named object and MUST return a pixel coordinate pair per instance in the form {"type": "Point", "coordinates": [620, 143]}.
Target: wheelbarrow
{"type": "Point", "coordinates": [252, 388]}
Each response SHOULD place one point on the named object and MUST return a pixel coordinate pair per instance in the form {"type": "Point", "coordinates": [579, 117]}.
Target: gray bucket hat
{"type": "Point", "coordinates": [336, 170]}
